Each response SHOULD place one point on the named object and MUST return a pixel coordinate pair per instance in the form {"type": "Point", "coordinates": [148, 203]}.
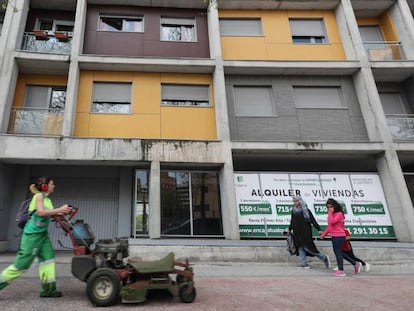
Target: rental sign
{"type": "Point", "coordinates": [264, 202]}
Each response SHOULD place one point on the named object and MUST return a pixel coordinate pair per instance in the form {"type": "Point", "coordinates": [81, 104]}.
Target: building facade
{"type": "Point", "coordinates": [144, 111]}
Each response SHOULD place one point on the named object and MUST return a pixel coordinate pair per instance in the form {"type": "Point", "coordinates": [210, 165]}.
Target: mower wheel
{"type": "Point", "coordinates": [103, 287]}
{"type": "Point", "coordinates": [186, 293]}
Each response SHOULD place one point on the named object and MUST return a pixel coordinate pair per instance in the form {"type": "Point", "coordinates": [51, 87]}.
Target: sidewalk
{"type": "Point", "coordinates": [242, 286]}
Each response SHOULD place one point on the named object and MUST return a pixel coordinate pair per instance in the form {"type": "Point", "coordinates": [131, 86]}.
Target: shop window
{"type": "Point", "coordinates": [121, 23]}
{"type": "Point", "coordinates": [190, 204]}
{"type": "Point", "coordinates": [318, 97]}
{"type": "Point", "coordinates": [178, 29]}
{"type": "Point", "coordinates": [241, 27]}
{"type": "Point", "coordinates": [111, 97]}
{"type": "Point", "coordinates": [253, 101]}
{"type": "Point", "coordinates": [185, 95]}
{"type": "Point", "coordinates": [308, 31]}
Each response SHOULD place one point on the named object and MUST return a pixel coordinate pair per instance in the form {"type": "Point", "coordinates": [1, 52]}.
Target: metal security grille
{"type": "Point", "coordinates": [97, 200]}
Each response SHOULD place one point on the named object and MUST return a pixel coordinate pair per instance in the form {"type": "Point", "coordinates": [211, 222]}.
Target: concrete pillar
{"type": "Point", "coordinates": [74, 71]}
{"type": "Point", "coordinates": [388, 165]}
{"type": "Point", "coordinates": [227, 188]}
{"type": "Point", "coordinates": [12, 33]}
{"type": "Point", "coordinates": [155, 201]}
{"type": "Point", "coordinates": [403, 20]}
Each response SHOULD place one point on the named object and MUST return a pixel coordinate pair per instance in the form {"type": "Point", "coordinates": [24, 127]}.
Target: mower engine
{"type": "Point", "coordinates": [106, 254]}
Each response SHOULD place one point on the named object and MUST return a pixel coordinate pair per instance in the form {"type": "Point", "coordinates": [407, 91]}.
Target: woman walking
{"type": "Point", "coordinates": [301, 222]}
{"type": "Point", "coordinates": [335, 229]}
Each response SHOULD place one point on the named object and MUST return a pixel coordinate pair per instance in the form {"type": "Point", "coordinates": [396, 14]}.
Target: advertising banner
{"type": "Point", "coordinates": [264, 202]}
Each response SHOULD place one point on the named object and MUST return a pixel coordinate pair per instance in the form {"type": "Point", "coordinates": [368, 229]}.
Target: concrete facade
{"type": "Point", "coordinates": [361, 142]}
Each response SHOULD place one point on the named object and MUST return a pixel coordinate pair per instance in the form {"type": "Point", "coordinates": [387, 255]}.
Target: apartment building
{"type": "Point", "coordinates": [201, 119]}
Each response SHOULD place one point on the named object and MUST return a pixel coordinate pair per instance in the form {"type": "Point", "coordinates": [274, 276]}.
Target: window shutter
{"type": "Point", "coordinates": [240, 27]}
{"type": "Point", "coordinates": [307, 27]}
{"type": "Point", "coordinates": [112, 92]}
{"type": "Point", "coordinates": [185, 92]}
{"type": "Point", "coordinates": [253, 101]}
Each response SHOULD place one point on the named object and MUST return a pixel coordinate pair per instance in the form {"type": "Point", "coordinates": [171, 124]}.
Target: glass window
{"type": "Point", "coordinates": [185, 95]}
{"type": "Point", "coordinates": [190, 204]}
{"type": "Point", "coordinates": [111, 97]}
{"type": "Point", "coordinates": [250, 101]}
{"type": "Point", "coordinates": [318, 97]}
{"type": "Point", "coordinates": [241, 27]}
{"type": "Point", "coordinates": [310, 31]}
{"type": "Point", "coordinates": [117, 23]}
{"type": "Point", "coordinates": [392, 103]}
{"type": "Point", "coordinates": [142, 210]}
{"type": "Point", "coordinates": [178, 29]}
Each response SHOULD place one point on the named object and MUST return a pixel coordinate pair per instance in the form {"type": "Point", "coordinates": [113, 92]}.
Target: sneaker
{"type": "Point", "coordinates": [304, 266]}
{"type": "Point", "coordinates": [335, 269]}
{"type": "Point", "coordinates": [357, 267]}
{"type": "Point", "coordinates": [327, 262]}
{"type": "Point", "coordinates": [367, 267]}
{"type": "Point", "coordinates": [339, 273]}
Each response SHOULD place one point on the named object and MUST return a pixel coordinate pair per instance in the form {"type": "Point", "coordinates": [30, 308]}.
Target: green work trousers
{"type": "Point", "coordinates": [32, 246]}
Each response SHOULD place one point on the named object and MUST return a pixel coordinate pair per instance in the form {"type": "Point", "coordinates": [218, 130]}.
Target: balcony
{"type": "Point", "coordinates": [401, 126]}
{"type": "Point", "coordinates": [384, 51]}
{"type": "Point", "coordinates": [40, 41]}
{"type": "Point", "coordinates": [36, 121]}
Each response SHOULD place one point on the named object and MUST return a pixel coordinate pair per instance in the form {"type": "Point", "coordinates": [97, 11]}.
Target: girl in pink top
{"type": "Point", "coordinates": [335, 229]}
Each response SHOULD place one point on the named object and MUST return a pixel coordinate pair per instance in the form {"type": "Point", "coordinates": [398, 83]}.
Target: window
{"type": "Point", "coordinates": [45, 97]}
{"type": "Point", "coordinates": [141, 202]}
{"type": "Point", "coordinates": [178, 29]}
{"type": "Point", "coordinates": [241, 27]}
{"type": "Point", "coordinates": [308, 31]}
{"type": "Point", "coordinates": [125, 23]}
{"type": "Point", "coordinates": [185, 95]}
{"type": "Point", "coordinates": [253, 101]}
{"type": "Point", "coordinates": [190, 204]}
{"type": "Point", "coordinates": [392, 103]}
{"type": "Point", "coordinates": [318, 97]}
{"type": "Point", "coordinates": [111, 97]}
{"type": "Point", "coordinates": [51, 26]}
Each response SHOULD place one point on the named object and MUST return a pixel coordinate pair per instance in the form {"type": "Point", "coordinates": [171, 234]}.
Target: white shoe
{"type": "Point", "coordinates": [335, 269]}
{"type": "Point", "coordinates": [367, 267]}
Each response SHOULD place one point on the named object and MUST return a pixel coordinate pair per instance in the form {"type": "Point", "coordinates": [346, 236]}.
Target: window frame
{"type": "Point", "coordinates": [186, 195]}
{"type": "Point", "coordinates": [123, 18]}
{"type": "Point", "coordinates": [318, 89]}
{"type": "Point", "coordinates": [190, 21]}
{"type": "Point", "coordinates": [110, 102]}
{"type": "Point", "coordinates": [55, 25]}
{"type": "Point", "coordinates": [49, 100]}
{"type": "Point", "coordinates": [237, 32]}
{"type": "Point", "coordinates": [183, 100]}
{"type": "Point", "coordinates": [309, 38]}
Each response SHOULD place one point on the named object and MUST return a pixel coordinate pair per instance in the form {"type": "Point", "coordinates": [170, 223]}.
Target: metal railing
{"type": "Point", "coordinates": [46, 44]}
{"type": "Point", "coordinates": [384, 50]}
{"type": "Point", "coordinates": [36, 121]}
{"type": "Point", "coordinates": [401, 126]}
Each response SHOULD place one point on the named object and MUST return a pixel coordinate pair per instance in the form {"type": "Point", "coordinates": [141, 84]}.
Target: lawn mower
{"type": "Point", "coordinates": [112, 277]}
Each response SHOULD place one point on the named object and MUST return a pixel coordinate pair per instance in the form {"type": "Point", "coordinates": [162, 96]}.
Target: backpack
{"type": "Point", "coordinates": [23, 215]}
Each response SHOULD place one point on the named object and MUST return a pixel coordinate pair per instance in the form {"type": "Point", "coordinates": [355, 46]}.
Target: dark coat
{"type": "Point", "coordinates": [302, 231]}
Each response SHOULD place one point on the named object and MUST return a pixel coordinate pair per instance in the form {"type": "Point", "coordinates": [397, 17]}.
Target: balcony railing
{"type": "Point", "coordinates": [36, 121]}
{"type": "Point", "coordinates": [401, 126]}
{"type": "Point", "coordinates": [384, 51]}
{"type": "Point", "coordinates": [43, 42]}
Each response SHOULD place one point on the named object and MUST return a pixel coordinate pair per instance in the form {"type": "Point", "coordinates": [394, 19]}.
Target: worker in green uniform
{"type": "Point", "coordinates": [35, 241]}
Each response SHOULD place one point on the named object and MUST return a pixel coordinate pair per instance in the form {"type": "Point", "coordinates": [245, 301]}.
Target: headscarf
{"type": "Point", "coordinates": [301, 208]}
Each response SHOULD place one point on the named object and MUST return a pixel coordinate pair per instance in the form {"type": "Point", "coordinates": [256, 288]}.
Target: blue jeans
{"type": "Point", "coordinates": [337, 242]}
{"type": "Point", "coordinates": [302, 255]}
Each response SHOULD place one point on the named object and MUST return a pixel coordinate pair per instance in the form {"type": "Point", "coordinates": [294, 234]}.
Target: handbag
{"type": "Point", "coordinates": [291, 247]}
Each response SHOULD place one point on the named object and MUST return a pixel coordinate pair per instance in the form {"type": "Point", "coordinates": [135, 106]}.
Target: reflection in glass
{"type": "Point", "coordinates": [190, 203]}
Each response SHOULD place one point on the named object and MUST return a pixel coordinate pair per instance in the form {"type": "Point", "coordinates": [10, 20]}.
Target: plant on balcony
{"type": "Point", "coordinates": [40, 34]}
{"type": "Point", "coordinates": [61, 36]}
